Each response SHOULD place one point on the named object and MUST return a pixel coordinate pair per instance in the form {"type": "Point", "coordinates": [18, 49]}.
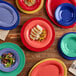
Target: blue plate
{"type": "Point", "coordinates": [9, 17]}
{"type": "Point", "coordinates": [15, 65]}
{"type": "Point", "coordinates": [60, 51]}
{"type": "Point", "coordinates": [65, 14]}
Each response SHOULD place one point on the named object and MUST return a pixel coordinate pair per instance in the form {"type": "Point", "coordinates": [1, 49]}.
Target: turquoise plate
{"type": "Point", "coordinates": [68, 44]}
{"type": "Point", "coordinates": [22, 59]}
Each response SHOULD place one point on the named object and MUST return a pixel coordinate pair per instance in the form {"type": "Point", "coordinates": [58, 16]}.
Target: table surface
{"type": "Point", "coordinates": [31, 57]}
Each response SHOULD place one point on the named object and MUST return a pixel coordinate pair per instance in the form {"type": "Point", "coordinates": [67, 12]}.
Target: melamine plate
{"type": "Point", "coordinates": [49, 67]}
{"type": "Point", "coordinates": [29, 8]}
{"type": "Point", "coordinates": [36, 45]}
{"type": "Point", "coordinates": [15, 65]}
{"type": "Point", "coordinates": [9, 17]}
{"type": "Point", "coordinates": [62, 54]}
{"type": "Point", "coordinates": [30, 12]}
{"type": "Point", "coordinates": [21, 55]}
{"type": "Point", "coordinates": [65, 14]}
{"type": "Point", "coordinates": [51, 6]}
{"type": "Point", "coordinates": [67, 44]}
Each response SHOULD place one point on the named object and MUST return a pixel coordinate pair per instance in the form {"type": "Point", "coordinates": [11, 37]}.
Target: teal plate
{"type": "Point", "coordinates": [22, 59]}
{"type": "Point", "coordinates": [68, 44]}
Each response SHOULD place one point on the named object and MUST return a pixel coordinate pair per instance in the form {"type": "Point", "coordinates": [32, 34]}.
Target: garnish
{"type": "Point", "coordinates": [38, 33]}
{"type": "Point", "coordinates": [7, 59]}
{"type": "Point", "coordinates": [30, 2]}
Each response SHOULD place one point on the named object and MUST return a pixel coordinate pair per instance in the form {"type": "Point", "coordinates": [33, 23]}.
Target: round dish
{"type": "Point", "coordinates": [30, 12]}
{"type": "Point", "coordinates": [9, 17]}
{"type": "Point", "coordinates": [35, 45]}
{"type": "Point", "coordinates": [65, 14]}
{"type": "Point", "coordinates": [67, 44]}
{"type": "Point", "coordinates": [29, 8]}
{"type": "Point", "coordinates": [62, 54]}
{"type": "Point", "coordinates": [21, 55]}
{"type": "Point", "coordinates": [15, 65]}
{"type": "Point", "coordinates": [51, 6]}
{"type": "Point", "coordinates": [50, 66]}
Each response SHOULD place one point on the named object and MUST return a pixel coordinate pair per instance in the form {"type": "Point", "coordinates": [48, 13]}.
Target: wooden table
{"type": "Point", "coordinates": [31, 57]}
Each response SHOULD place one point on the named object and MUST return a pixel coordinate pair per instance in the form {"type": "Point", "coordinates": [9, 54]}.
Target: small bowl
{"type": "Point", "coordinates": [65, 14]}
{"type": "Point", "coordinates": [15, 65]}
{"type": "Point", "coordinates": [66, 46]}
{"type": "Point", "coordinates": [9, 16]}
{"type": "Point", "coordinates": [29, 8]}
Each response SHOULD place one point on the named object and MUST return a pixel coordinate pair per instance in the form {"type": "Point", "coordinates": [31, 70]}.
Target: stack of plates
{"type": "Point", "coordinates": [67, 46]}
{"type": "Point", "coordinates": [20, 59]}
{"type": "Point", "coordinates": [9, 17]}
{"type": "Point", "coordinates": [49, 67]}
{"type": "Point", "coordinates": [29, 9]}
{"type": "Point", "coordinates": [33, 45]}
{"type": "Point", "coordinates": [62, 12]}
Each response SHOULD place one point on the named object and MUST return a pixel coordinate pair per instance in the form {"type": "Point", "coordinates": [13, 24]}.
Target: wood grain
{"type": "Point", "coordinates": [32, 57]}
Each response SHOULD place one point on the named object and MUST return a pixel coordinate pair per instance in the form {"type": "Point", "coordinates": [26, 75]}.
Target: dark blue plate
{"type": "Point", "coordinates": [9, 16]}
{"type": "Point", "coordinates": [60, 51]}
{"type": "Point", "coordinates": [65, 14]}
{"type": "Point", "coordinates": [15, 65]}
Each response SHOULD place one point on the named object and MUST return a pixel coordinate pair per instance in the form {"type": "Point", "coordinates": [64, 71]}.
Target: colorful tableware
{"type": "Point", "coordinates": [30, 12]}
{"type": "Point", "coordinates": [65, 14]}
{"type": "Point", "coordinates": [51, 6]}
{"type": "Point", "coordinates": [66, 46]}
{"type": "Point", "coordinates": [34, 45]}
{"type": "Point", "coordinates": [15, 65]}
{"type": "Point", "coordinates": [21, 55]}
{"type": "Point", "coordinates": [29, 8]}
{"type": "Point", "coordinates": [47, 67]}
{"type": "Point", "coordinates": [9, 16]}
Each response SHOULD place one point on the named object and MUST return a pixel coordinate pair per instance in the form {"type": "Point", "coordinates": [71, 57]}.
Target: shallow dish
{"type": "Point", "coordinates": [9, 16]}
{"type": "Point", "coordinates": [33, 45]}
{"type": "Point", "coordinates": [50, 66]}
{"type": "Point", "coordinates": [65, 14]}
{"type": "Point", "coordinates": [67, 44]}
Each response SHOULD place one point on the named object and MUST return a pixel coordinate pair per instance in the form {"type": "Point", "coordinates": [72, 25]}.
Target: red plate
{"type": "Point", "coordinates": [29, 8]}
{"type": "Point", "coordinates": [35, 45]}
{"type": "Point", "coordinates": [48, 68]}
{"type": "Point", "coordinates": [51, 6]}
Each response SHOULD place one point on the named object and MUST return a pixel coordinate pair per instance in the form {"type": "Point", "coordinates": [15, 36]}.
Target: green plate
{"type": "Point", "coordinates": [68, 44]}
{"type": "Point", "coordinates": [22, 59]}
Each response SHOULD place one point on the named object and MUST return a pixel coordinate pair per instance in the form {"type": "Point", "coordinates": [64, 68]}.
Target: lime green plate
{"type": "Point", "coordinates": [22, 59]}
{"type": "Point", "coordinates": [68, 44]}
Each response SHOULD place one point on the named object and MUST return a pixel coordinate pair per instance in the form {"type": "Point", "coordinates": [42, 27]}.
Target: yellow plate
{"type": "Point", "coordinates": [30, 12]}
{"type": "Point", "coordinates": [65, 68]}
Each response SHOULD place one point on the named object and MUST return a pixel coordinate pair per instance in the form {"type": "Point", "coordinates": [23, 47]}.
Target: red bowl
{"type": "Point", "coordinates": [29, 8]}
{"type": "Point", "coordinates": [51, 6]}
{"type": "Point", "coordinates": [35, 45]}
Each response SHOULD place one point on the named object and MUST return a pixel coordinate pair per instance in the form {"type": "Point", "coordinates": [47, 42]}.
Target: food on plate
{"type": "Point", "coordinates": [38, 33]}
{"type": "Point", "coordinates": [30, 2]}
{"type": "Point", "coordinates": [7, 59]}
